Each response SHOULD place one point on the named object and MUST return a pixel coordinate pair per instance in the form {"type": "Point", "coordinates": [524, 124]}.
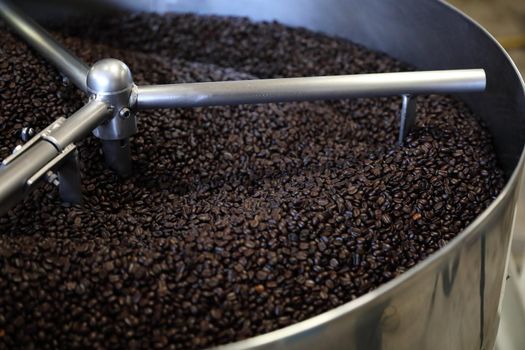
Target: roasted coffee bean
{"type": "Point", "coordinates": [237, 220]}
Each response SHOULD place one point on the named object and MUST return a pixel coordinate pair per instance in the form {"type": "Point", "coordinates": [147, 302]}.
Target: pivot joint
{"type": "Point", "coordinates": [110, 81]}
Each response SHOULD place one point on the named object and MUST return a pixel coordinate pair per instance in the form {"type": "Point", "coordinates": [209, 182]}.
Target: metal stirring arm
{"type": "Point", "coordinates": [406, 84]}
{"type": "Point", "coordinates": [308, 89]}
{"type": "Point", "coordinates": [115, 99]}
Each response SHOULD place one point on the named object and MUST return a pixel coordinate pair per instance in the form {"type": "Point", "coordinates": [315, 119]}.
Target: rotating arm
{"type": "Point", "coordinates": [69, 65]}
{"type": "Point", "coordinates": [307, 89]}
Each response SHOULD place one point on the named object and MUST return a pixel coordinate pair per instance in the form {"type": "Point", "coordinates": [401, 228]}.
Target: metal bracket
{"type": "Point", "coordinates": [408, 117]}
{"type": "Point", "coordinates": [69, 181]}
{"type": "Point", "coordinates": [67, 166]}
{"type": "Point", "coordinates": [19, 150]}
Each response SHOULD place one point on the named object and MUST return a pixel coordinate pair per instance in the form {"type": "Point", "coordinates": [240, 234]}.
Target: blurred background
{"type": "Point", "coordinates": [505, 19]}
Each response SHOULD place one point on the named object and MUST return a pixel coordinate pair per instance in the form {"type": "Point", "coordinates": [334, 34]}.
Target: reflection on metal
{"type": "Point", "coordinates": [390, 319]}
{"type": "Point", "coordinates": [510, 333]}
{"type": "Point", "coordinates": [449, 275]}
{"type": "Point", "coordinates": [482, 272]}
{"type": "Point", "coordinates": [311, 88]}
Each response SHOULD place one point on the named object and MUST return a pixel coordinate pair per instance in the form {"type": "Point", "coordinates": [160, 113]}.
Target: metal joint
{"type": "Point", "coordinates": [110, 81]}
{"type": "Point", "coordinates": [42, 135]}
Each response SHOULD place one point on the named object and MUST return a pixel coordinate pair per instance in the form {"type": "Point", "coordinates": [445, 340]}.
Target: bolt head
{"type": "Point", "coordinates": [125, 113]}
{"type": "Point", "coordinates": [27, 134]}
{"type": "Point", "coordinates": [109, 76]}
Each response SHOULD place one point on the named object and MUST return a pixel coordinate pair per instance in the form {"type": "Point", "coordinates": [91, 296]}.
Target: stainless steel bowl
{"type": "Point", "coordinates": [452, 299]}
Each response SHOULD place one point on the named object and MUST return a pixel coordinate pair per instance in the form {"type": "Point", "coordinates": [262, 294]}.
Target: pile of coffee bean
{"type": "Point", "coordinates": [237, 220]}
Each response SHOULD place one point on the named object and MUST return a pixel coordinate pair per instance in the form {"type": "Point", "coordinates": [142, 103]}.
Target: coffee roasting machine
{"type": "Point", "coordinates": [452, 299]}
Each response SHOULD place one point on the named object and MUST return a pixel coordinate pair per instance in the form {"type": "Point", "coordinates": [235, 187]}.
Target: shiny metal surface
{"type": "Point", "coordinates": [111, 81]}
{"type": "Point", "coordinates": [109, 77]}
{"type": "Point", "coordinates": [72, 67]}
{"type": "Point", "coordinates": [309, 88]}
{"type": "Point", "coordinates": [80, 124]}
{"type": "Point", "coordinates": [18, 172]}
{"type": "Point", "coordinates": [452, 299]}
{"type": "Point", "coordinates": [408, 117]}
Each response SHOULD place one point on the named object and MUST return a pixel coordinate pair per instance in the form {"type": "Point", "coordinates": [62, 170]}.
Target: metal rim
{"type": "Point", "coordinates": [420, 267]}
